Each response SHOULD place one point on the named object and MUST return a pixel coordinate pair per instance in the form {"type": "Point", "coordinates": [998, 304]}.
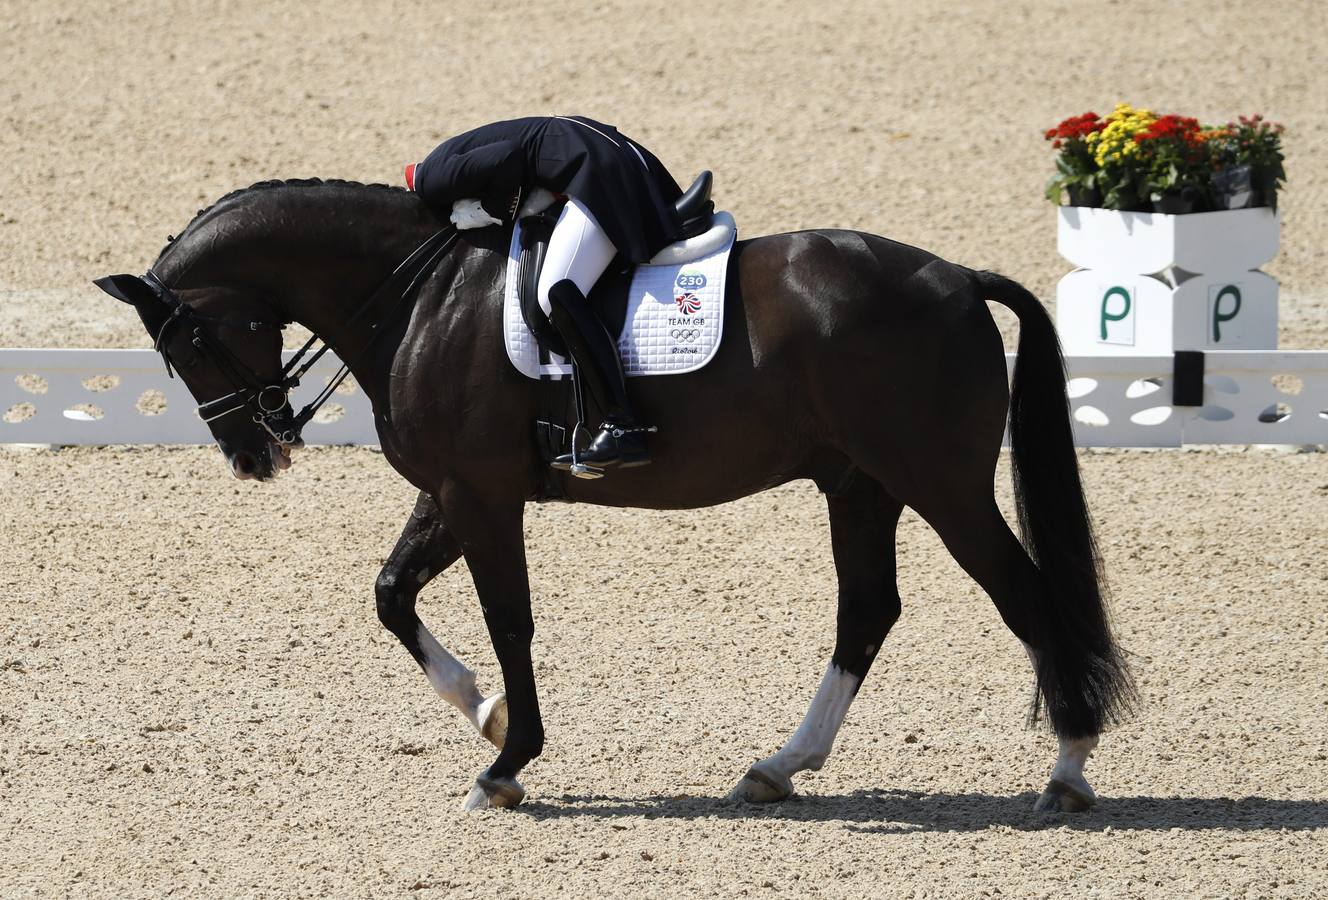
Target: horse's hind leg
{"type": "Point", "coordinates": [977, 536]}
{"type": "Point", "coordinates": [862, 533]}
{"type": "Point", "coordinates": [425, 549]}
{"type": "Point", "coordinates": [1067, 790]}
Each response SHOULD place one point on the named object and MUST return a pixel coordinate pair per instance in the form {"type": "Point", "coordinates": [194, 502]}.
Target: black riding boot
{"type": "Point", "coordinates": [621, 441]}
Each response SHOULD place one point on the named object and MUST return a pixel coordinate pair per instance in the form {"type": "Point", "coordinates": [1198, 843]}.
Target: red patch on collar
{"type": "Point", "coordinates": [410, 176]}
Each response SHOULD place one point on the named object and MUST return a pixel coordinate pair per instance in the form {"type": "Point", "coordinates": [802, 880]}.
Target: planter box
{"type": "Point", "coordinates": [1150, 283]}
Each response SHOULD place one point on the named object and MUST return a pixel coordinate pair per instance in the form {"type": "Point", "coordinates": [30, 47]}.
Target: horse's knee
{"type": "Point", "coordinates": [395, 601]}
{"type": "Point", "coordinates": [890, 611]}
{"type": "Point", "coordinates": [869, 614]}
{"type": "Point", "coordinates": [865, 618]}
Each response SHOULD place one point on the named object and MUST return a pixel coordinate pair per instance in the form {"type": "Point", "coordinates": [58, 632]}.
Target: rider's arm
{"type": "Point", "coordinates": [492, 172]}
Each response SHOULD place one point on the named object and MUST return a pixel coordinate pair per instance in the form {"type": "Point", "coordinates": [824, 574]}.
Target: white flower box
{"type": "Point", "coordinates": [1150, 283]}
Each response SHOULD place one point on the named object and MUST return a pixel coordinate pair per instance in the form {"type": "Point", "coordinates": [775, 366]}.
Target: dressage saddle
{"type": "Point", "coordinates": [694, 208]}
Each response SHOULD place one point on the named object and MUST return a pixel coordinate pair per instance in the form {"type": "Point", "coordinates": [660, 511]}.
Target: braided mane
{"type": "Point", "coordinates": [275, 183]}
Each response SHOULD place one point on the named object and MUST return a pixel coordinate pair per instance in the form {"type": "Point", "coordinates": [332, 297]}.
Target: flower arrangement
{"type": "Point", "coordinates": [1136, 160]}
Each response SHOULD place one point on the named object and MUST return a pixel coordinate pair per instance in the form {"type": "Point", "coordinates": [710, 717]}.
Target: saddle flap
{"type": "Point", "coordinates": [532, 235]}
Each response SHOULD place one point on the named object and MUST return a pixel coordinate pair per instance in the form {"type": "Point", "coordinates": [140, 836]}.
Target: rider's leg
{"type": "Point", "coordinates": [578, 250]}
{"type": "Point", "coordinates": [578, 253]}
{"type": "Point", "coordinates": [593, 348]}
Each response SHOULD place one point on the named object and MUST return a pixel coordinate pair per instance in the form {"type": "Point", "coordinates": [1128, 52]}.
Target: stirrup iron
{"type": "Point", "coordinates": [578, 468]}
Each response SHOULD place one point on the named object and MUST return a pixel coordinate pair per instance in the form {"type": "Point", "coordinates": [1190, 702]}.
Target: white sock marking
{"type": "Point", "coordinates": [810, 744]}
{"type": "Point", "coordinates": [449, 677]}
{"type": "Point", "coordinates": [1072, 753]}
{"type": "Point", "coordinates": [1070, 759]}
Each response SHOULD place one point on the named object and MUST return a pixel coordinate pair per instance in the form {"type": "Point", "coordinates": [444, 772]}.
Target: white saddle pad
{"type": "Point", "coordinates": [675, 315]}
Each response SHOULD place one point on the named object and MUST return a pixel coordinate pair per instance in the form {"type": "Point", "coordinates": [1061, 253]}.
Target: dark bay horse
{"type": "Point", "coordinates": [869, 366]}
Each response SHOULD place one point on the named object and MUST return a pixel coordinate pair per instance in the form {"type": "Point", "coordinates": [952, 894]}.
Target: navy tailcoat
{"type": "Point", "coordinates": [623, 185]}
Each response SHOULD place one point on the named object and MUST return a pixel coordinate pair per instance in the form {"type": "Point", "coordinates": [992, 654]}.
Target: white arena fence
{"type": "Point", "coordinates": [67, 397]}
{"type": "Point", "coordinates": [124, 397]}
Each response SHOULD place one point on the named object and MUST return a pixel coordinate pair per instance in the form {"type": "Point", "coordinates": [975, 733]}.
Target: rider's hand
{"type": "Point", "coordinates": [536, 201]}
{"type": "Point", "coordinates": [470, 214]}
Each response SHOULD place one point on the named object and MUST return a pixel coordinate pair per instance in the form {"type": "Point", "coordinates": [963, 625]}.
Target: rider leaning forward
{"type": "Point", "coordinates": [620, 201]}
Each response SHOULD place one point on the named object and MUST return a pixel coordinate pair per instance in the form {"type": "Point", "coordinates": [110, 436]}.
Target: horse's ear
{"type": "Point", "coordinates": [129, 288]}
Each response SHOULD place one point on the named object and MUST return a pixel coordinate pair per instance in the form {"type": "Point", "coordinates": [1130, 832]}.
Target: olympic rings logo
{"type": "Point", "coordinates": [686, 335]}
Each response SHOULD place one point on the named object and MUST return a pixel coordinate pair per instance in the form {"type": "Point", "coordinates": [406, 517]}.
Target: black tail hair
{"type": "Point", "coordinates": [1082, 676]}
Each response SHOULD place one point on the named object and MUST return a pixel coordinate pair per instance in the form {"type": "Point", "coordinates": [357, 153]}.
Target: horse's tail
{"type": "Point", "coordinates": [1081, 673]}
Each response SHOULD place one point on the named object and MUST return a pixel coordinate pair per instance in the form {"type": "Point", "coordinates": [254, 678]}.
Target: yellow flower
{"type": "Point", "coordinates": [1116, 141]}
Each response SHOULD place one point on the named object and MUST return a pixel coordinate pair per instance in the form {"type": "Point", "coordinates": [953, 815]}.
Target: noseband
{"type": "Point", "coordinates": [269, 402]}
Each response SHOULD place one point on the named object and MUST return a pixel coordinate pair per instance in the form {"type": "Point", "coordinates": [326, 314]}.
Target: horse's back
{"type": "Point", "coordinates": [857, 294]}
{"type": "Point", "coordinates": [831, 338]}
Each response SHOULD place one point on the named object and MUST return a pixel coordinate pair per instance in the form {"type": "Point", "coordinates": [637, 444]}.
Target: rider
{"type": "Point", "coordinates": [619, 201]}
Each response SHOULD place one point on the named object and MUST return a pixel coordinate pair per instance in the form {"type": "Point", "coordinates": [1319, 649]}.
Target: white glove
{"type": "Point", "coordinates": [536, 201]}
{"type": "Point", "coordinates": [470, 214]}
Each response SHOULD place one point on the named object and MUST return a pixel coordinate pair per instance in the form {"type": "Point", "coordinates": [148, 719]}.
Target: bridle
{"type": "Point", "coordinates": [268, 401]}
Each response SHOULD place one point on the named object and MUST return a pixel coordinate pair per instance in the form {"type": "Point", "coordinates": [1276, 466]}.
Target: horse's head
{"type": "Point", "coordinates": [226, 345]}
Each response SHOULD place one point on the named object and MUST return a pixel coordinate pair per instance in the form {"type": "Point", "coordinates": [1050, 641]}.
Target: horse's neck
{"type": "Point", "coordinates": [339, 301]}
{"type": "Point", "coordinates": [320, 253]}
{"type": "Point", "coordinates": [346, 307]}
{"type": "Point", "coordinates": [314, 247]}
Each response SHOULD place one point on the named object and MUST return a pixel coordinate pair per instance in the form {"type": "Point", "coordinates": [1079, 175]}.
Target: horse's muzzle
{"type": "Point", "coordinates": [248, 466]}
{"type": "Point", "coordinates": [243, 465]}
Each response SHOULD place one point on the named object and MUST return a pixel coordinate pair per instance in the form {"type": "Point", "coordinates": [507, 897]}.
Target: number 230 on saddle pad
{"type": "Point", "coordinates": [675, 309]}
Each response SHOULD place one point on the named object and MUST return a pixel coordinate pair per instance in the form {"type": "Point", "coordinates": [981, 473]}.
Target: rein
{"type": "Point", "coordinates": [269, 403]}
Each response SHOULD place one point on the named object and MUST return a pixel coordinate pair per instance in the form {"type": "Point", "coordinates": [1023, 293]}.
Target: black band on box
{"type": "Point", "coordinates": [1187, 378]}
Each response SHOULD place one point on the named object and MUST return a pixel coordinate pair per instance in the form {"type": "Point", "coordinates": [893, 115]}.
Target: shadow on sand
{"type": "Point", "coordinates": [903, 811]}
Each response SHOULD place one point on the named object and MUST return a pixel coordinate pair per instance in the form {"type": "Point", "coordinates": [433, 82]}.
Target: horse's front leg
{"type": "Point", "coordinates": [862, 536]}
{"type": "Point", "coordinates": [491, 539]}
{"type": "Point", "coordinates": [425, 549]}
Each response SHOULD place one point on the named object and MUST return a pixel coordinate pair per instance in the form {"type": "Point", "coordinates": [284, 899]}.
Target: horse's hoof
{"type": "Point", "coordinates": [494, 793]}
{"type": "Point", "coordinates": [1062, 796]}
{"type": "Point", "coordinates": [761, 787]}
{"type": "Point", "coordinates": [492, 718]}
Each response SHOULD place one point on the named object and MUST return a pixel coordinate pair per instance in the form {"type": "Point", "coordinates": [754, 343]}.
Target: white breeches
{"type": "Point", "coordinates": [578, 249]}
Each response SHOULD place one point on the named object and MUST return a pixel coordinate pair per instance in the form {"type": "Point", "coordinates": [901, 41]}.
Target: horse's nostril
{"type": "Point", "coordinates": [244, 463]}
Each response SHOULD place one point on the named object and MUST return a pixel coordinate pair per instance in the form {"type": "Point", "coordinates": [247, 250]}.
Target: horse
{"type": "Point", "coordinates": [871, 367]}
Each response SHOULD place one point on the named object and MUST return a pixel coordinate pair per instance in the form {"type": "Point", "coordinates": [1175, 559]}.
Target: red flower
{"type": "Point", "coordinates": [1075, 127]}
{"type": "Point", "coordinates": [1171, 126]}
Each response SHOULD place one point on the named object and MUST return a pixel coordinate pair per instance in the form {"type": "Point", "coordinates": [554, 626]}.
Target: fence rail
{"type": "Point", "coordinates": [124, 397]}
{"type": "Point", "coordinates": [1249, 397]}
